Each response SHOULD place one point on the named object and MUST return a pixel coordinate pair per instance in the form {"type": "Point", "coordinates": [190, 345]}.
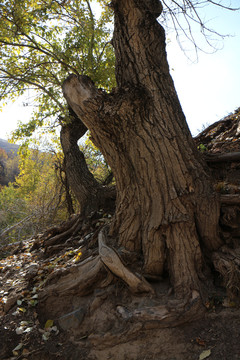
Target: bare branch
{"type": "Point", "coordinates": [181, 15]}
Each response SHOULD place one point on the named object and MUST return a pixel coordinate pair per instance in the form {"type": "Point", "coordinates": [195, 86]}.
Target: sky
{"type": "Point", "coordinates": [208, 90]}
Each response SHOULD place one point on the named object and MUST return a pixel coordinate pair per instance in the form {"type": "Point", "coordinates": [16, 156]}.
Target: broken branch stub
{"type": "Point", "coordinates": [77, 90]}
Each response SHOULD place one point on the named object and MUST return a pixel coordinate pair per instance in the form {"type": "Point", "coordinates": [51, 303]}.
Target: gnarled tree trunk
{"type": "Point", "coordinates": [166, 209]}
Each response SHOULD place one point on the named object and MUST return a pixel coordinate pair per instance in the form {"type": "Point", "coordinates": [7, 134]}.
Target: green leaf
{"type": "Point", "coordinates": [48, 324]}
{"type": "Point", "coordinates": [41, 44]}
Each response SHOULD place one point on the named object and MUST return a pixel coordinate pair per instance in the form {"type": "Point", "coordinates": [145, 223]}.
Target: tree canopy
{"type": "Point", "coordinates": [41, 43]}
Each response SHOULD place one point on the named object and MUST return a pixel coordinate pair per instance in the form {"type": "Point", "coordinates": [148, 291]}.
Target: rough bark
{"type": "Point", "coordinates": [166, 209]}
{"type": "Point", "coordinates": [66, 185]}
{"type": "Point", "coordinates": [90, 194]}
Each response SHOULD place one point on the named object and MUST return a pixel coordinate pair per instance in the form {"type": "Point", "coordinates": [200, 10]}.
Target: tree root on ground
{"type": "Point", "coordinates": [96, 273]}
{"type": "Point", "coordinates": [111, 259]}
{"type": "Point", "coordinates": [230, 199]}
{"type": "Point", "coordinates": [227, 262]}
{"type": "Point", "coordinates": [166, 315]}
{"type": "Point", "coordinates": [64, 235]}
{"type": "Point", "coordinates": [80, 279]}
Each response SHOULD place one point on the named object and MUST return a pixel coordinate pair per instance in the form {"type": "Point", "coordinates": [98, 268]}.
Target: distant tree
{"type": "Point", "coordinates": [3, 157]}
{"type": "Point", "coordinates": [9, 169]}
{"type": "Point", "coordinates": [12, 167]}
{"type": "Point", "coordinates": [35, 200]}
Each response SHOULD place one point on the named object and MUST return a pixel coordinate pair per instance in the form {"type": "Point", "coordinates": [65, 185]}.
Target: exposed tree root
{"type": "Point", "coordinates": [146, 318]}
{"type": "Point", "coordinates": [71, 231]}
{"type": "Point", "coordinates": [111, 259]}
{"type": "Point", "coordinates": [55, 230]}
{"type": "Point", "coordinates": [230, 199]}
{"type": "Point", "coordinates": [76, 229]}
{"type": "Point", "coordinates": [166, 315]}
{"type": "Point", "coordinates": [79, 280]}
{"type": "Point", "coordinates": [83, 280]}
{"type": "Point", "coordinates": [229, 157]}
{"type": "Point", "coordinates": [227, 262]}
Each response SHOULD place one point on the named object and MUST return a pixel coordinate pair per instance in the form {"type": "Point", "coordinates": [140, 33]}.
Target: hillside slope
{"type": "Point", "coordinates": [30, 270]}
{"type": "Point", "coordinates": [5, 145]}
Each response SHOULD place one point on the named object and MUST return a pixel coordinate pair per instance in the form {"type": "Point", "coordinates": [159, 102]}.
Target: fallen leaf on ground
{"type": "Point", "coordinates": [48, 324]}
{"type": "Point", "coordinates": [204, 354]}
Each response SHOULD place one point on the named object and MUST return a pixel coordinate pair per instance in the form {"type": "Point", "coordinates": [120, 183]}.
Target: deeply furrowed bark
{"type": "Point", "coordinates": [166, 209]}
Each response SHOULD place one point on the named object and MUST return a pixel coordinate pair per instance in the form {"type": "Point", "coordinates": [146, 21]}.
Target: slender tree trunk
{"type": "Point", "coordinates": [90, 194]}
{"type": "Point", "coordinates": [68, 196]}
{"type": "Point", "coordinates": [166, 209]}
{"type": "Point", "coordinates": [81, 180]}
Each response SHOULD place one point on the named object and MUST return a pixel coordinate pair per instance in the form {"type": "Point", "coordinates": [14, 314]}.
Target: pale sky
{"type": "Point", "coordinates": [208, 90]}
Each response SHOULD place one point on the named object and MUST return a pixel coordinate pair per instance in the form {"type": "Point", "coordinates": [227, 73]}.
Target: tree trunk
{"type": "Point", "coordinates": [89, 193]}
{"type": "Point", "coordinates": [166, 209]}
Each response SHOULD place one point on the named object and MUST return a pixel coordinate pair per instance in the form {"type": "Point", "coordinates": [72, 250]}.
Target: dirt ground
{"type": "Point", "coordinates": [27, 333]}
{"type": "Point", "coordinates": [219, 333]}
{"type": "Point", "coordinates": [24, 333]}
{"type": "Point", "coordinates": [216, 335]}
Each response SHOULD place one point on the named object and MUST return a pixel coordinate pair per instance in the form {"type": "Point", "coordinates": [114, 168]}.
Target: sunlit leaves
{"type": "Point", "coordinates": [41, 42]}
{"type": "Point", "coordinates": [95, 160]}
{"type": "Point", "coordinates": [48, 324]}
{"type": "Point", "coordinates": [35, 200]}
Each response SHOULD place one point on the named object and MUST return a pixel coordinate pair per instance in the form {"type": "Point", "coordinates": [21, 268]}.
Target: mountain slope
{"type": "Point", "coordinates": [5, 145]}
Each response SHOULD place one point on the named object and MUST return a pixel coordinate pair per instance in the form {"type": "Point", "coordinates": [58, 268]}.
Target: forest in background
{"type": "Point", "coordinates": [41, 43]}
{"type": "Point", "coordinates": [34, 193]}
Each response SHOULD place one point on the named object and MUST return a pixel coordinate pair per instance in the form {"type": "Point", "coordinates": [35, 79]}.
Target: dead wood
{"type": "Point", "coordinates": [73, 227]}
{"type": "Point", "coordinates": [227, 262]}
{"type": "Point", "coordinates": [228, 157]}
{"type": "Point", "coordinates": [81, 279]}
{"type": "Point", "coordinates": [230, 199]}
{"type": "Point", "coordinates": [113, 262]}
{"type": "Point", "coordinates": [162, 316]}
{"type": "Point", "coordinates": [5, 232]}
